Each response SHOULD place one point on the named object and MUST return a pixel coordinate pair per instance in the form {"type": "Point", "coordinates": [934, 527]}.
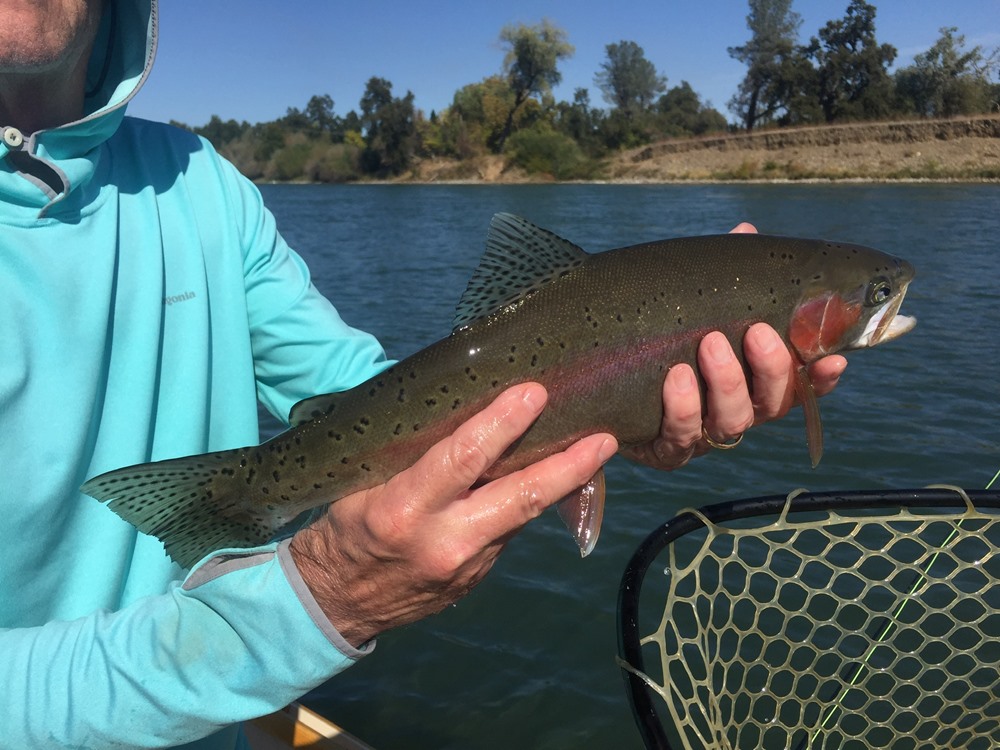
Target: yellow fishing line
{"type": "Point", "coordinates": [892, 620]}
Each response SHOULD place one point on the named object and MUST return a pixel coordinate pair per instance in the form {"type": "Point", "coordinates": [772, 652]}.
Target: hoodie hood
{"type": "Point", "coordinates": [41, 169]}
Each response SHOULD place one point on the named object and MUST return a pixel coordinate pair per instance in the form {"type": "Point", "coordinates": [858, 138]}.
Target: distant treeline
{"type": "Point", "coordinates": [840, 75]}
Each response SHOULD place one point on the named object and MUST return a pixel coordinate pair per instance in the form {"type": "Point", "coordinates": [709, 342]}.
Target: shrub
{"type": "Point", "coordinates": [540, 150]}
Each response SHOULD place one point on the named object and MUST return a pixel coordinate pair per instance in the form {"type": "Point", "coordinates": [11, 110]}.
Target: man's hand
{"type": "Point", "coordinates": [730, 408]}
{"type": "Point", "coordinates": [398, 552]}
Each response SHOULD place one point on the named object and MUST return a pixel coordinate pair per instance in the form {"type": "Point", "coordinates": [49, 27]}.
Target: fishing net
{"type": "Point", "coordinates": [830, 620]}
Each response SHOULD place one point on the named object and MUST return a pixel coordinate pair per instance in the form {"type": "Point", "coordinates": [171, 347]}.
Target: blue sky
{"type": "Point", "coordinates": [251, 60]}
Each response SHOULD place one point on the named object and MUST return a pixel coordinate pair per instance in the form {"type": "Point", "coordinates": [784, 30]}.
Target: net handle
{"type": "Point", "coordinates": [640, 695]}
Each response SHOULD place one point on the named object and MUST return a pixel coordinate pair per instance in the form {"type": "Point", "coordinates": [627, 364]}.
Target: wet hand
{"type": "Point", "coordinates": [730, 406]}
{"type": "Point", "coordinates": [396, 553]}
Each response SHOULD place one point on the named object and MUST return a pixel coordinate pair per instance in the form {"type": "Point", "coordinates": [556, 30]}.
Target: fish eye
{"type": "Point", "coordinates": [878, 292]}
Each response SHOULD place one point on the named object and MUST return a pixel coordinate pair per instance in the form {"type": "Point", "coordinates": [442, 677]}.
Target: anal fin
{"type": "Point", "coordinates": [582, 511]}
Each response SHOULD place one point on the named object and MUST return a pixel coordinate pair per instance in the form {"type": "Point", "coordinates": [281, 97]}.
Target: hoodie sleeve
{"type": "Point", "coordinates": [301, 345]}
{"type": "Point", "coordinates": [241, 637]}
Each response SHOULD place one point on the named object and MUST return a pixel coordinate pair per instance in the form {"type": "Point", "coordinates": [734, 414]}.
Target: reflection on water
{"type": "Point", "coordinates": [529, 657]}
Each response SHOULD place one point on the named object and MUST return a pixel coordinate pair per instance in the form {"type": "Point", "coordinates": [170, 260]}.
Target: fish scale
{"type": "Point", "coordinates": [599, 331]}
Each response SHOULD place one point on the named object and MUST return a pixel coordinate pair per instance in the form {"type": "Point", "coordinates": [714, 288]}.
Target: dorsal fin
{"type": "Point", "coordinates": [520, 259]}
{"type": "Point", "coordinates": [308, 409]}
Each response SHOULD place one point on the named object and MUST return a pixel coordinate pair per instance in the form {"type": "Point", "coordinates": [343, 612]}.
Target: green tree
{"type": "Point", "coordinates": [389, 125]}
{"type": "Point", "coordinates": [580, 121]}
{"type": "Point", "coordinates": [295, 121]}
{"type": "Point", "coordinates": [220, 133]}
{"type": "Point", "coordinates": [947, 80]}
{"type": "Point", "coordinates": [319, 113]}
{"type": "Point", "coordinates": [681, 112]}
{"type": "Point", "coordinates": [772, 59]}
{"type": "Point", "coordinates": [269, 137]}
{"type": "Point", "coordinates": [531, 64]}
{"type": "Point", "coordinates": [852, 67]}
{"type": "Point", "coordinates": [480, 114]}
{"type": "Point", "coordinates": [628, 80]}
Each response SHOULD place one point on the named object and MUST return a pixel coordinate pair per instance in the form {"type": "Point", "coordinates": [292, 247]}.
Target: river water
{"type": "Point", "coordinates": [527, 660]}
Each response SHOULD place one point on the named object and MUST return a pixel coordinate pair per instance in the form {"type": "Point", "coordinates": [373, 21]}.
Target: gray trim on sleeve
{"type": "Point", "coordinates": [312, 606]}
{"type": "Point", "coordinates": [226, 563]}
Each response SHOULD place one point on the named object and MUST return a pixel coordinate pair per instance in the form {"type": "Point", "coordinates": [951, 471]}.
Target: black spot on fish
{"type": "Point", "coordinates": [264, 490]}
{"type": "Point", "coordinates": [401, 396]}
{"type": "Point", "coordinates": [359, 429]}
{"type": "Point", "coordinates": [276, 475]}
{"type": "Point", "coordinates": [456, 403]}
{"type": "Point", "coordinates": [444, 389]}
{"type": "Point", "coordinates": [431, 402]}
{"type": "Point", "coordinates": [540, 341]}
{"type": "Point", "coordinates": [317, 486]}
{"type": "Point", "coordinates": [366, 467]}
{"type": "Point", "coordinates": [399, 428]}
{"type": "Point", "coordinates": [345, 460]}
{"type": "Point", "coordinates": [331, 475]}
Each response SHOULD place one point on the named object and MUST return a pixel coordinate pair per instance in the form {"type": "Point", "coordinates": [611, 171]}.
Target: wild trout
{"type": "Point", "coordinates": [599, 331]}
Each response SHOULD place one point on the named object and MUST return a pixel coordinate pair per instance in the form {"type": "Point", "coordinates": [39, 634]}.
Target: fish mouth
{"type": "Point", "coordinates": [886, 324]}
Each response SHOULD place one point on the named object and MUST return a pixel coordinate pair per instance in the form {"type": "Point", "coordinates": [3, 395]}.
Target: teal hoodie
{"type": "Point", "coordinates": [147, 301]}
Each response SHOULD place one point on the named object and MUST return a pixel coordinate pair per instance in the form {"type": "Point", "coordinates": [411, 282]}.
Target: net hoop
{"type": "Point", "coordinates": [641, 694]}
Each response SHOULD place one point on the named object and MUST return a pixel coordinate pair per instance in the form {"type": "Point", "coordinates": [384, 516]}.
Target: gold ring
{"type": "Point", "coordinates": [721, 446]}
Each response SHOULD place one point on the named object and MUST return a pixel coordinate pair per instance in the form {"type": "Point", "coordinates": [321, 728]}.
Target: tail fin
{"type": "Point", "coordinates": [194, 505]}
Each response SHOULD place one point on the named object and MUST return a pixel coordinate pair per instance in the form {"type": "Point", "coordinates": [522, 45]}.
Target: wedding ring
{"type": "Point", "coordinates": [721, 446]}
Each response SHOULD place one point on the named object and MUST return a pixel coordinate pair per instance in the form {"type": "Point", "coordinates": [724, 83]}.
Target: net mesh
{"type": "Point", "coordinates": [832, 630]}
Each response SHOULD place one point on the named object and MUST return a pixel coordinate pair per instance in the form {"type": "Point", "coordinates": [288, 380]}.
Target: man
{"type": "Point", "coordinates": [104, 220]}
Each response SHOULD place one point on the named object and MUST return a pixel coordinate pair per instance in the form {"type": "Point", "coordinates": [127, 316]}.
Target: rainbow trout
{"type": "Point", "coordinates": [599, 331]}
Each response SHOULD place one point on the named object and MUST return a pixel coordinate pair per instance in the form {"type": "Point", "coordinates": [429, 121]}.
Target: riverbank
{"type": "Point", "coordinates": [955, 149]}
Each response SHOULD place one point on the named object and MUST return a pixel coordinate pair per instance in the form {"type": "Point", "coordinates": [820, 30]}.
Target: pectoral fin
{"type": "Point", "coordinates": [582, 512]}
{"type": "Point", "coordinates": [814, 422]}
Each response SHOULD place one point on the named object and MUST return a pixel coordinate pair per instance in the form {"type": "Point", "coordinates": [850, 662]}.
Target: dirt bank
{"type": "Point", "coordinates": [962, 149]}
{"type": "Point", "coordinates": [958, 149]}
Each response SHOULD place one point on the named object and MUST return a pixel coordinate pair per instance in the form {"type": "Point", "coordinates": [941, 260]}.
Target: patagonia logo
{"type": "Point", "coordinates": [167, 301]}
